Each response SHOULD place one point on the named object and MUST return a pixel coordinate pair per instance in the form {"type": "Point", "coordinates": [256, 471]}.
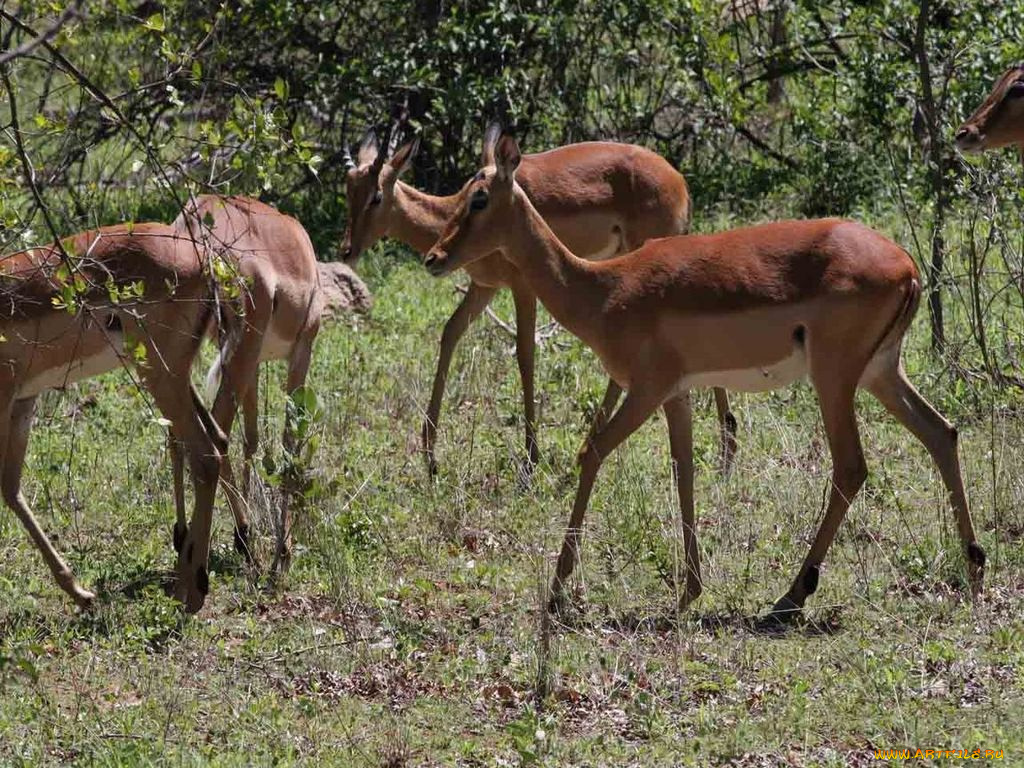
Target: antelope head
{"type": "Point", "coordinates": [999, 121]}
{"type": "Point", "coordinates": [480, 224]}
{"type": "Point", "coordinates": [370, 187]}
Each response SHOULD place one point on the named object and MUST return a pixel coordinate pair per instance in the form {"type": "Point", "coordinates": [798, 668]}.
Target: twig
{"type": "Point", "coordinates": [29, 170]}
{"type": "Point", "coordinates": [71, 12]}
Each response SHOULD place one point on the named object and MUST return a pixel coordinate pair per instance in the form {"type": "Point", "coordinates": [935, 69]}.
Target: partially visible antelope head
{"type": "Point", "coordinates": [484, 210]}
{"type": "Point", "coordinates": [999, 121]}
{"type": "Point", "coordinates": [370, 187]}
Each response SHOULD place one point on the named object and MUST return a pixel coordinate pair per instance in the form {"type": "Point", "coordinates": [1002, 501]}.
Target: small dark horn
{"type": "Point", "coordinates": [399, 120]}
{"type": "Point", "coordinates": [382, 152]}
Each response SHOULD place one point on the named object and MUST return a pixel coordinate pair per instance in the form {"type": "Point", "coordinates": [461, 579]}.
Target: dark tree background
{"type": "Point", "coordinates": [116, 109]}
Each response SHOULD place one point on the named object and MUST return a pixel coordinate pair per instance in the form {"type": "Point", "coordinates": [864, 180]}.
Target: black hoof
{"type": "Point", "coordinates": [178, 536]}
{"type": "Point", "coordinates": [782, 615]}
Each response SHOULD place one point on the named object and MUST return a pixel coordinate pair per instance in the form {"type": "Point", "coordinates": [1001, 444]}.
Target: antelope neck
{"type": "Point", "coordinates": [571, 289]}
{"type": "Point", "coordinates": [419, 218]}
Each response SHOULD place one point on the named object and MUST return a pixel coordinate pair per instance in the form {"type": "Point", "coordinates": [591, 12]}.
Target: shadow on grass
{"type": "Point", "coordinates": [130, 580]}
{"type": "Point", "coordinates": [731, 622]}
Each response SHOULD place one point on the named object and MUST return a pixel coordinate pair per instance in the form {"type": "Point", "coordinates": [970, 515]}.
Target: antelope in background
{"type": "Point", "coordinates": [276, 317]}
{"type": "Point", "coordinates": [999, 121]}
{"type": "Point", "coordinates": [601, 198]}
{"type": "Point", "coordinates": [68, 312]}
{"type": "Point", "coordinates": [751, 309]}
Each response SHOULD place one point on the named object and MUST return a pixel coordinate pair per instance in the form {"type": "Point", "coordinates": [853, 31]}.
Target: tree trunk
{"type": "Point", "coordinates": [937, 165]}
{"type": "Point", "coordinates": [776, 84]}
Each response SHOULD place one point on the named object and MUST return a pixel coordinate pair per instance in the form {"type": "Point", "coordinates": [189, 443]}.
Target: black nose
{"type": "Point", "coordinates": [346, 254]}
{"type": "Point", "coordinates": [430, 260]}
{"type": "Point", "coordinates": [968, 133]}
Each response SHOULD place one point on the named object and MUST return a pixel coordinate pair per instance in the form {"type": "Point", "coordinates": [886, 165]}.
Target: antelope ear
{"type": "Point", "coordinates": [491, 136]}
{"type": "Point", "coordinates": [506, 157]}
{"type": "Point", "coordinates": [368, 148]}
{"type": "Point", "coordinates": [401, 161]}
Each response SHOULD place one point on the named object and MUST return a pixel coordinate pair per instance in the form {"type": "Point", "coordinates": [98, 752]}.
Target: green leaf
{"type": "Point", "coordinates": [281, 89]}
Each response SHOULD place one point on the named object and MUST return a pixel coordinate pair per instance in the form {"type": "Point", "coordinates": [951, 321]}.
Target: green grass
{"type": "Point", "coordinates": [408, 631]}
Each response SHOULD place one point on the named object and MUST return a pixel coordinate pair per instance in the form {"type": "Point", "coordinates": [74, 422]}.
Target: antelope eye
{"type": "Point", "coordinates": [1016, 89]}
{"type": "Point", "coordinates": [377, 197]}
{"type": "Point", "coordinates": [478, 201]}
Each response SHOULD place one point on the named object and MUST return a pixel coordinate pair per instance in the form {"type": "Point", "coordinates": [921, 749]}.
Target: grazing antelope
{"type": "Point", "coordinates": [276, 317]}
{"type": "Point", "coordinates": [141, 288]}
{"type": "Point", "coordinates": [999, 121]}
{"type": "Point", "coordinates": [751, 309]}
{"type": "Point", "coordinates": [601, 198]}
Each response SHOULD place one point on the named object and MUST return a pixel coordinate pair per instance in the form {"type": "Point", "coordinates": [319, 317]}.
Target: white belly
{"type": "Point", "coordinates": [762, 379]}
{"type": "Point", "coordinates": [66, 373]}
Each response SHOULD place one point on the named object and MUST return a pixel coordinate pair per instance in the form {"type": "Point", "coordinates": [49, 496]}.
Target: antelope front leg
{"type": "Point", "coordinates": [15, 426]}
{"type": "Point", "coordinates": [612, 393]}
{"type": "Point", "coordinates": [679, 417]}
{"type": "Point", "coordinates": [526, 344]}
{"type": "Point", "coordinates": [473, 303]}
{"type": "Point", "coordinates": [635, 410]}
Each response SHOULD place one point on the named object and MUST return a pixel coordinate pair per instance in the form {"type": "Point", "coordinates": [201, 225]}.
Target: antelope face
{"type": "Point", "coordinates": [999, 121]}
{"type": "Point", "coordinates": [370, 189]}
{"type": "Point", "coordinates": [479, 226]}
{"type": "Point", "coordinates": [367, 216]}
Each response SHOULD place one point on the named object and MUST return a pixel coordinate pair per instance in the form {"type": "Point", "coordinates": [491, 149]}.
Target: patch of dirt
{"type": "Point", "coordinates": [392, 681]}
{"type": "Point", "coordinates": [355, 619]}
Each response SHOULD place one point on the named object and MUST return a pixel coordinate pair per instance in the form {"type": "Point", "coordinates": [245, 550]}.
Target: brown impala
{"type": "Point", "coordinates": [752, 309]}
{"type": "Point", "coordinates": [126, 289]}
{"type": "Point", "coordinates": [999, 121]}
{"type": "Point", "coordinates": [276, 318]}
{"type": "Point", "coordinates": [601, 198]}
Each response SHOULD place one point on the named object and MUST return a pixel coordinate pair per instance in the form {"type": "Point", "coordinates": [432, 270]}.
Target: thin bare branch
{"type": "Point", "coordinates": [44, 37]}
